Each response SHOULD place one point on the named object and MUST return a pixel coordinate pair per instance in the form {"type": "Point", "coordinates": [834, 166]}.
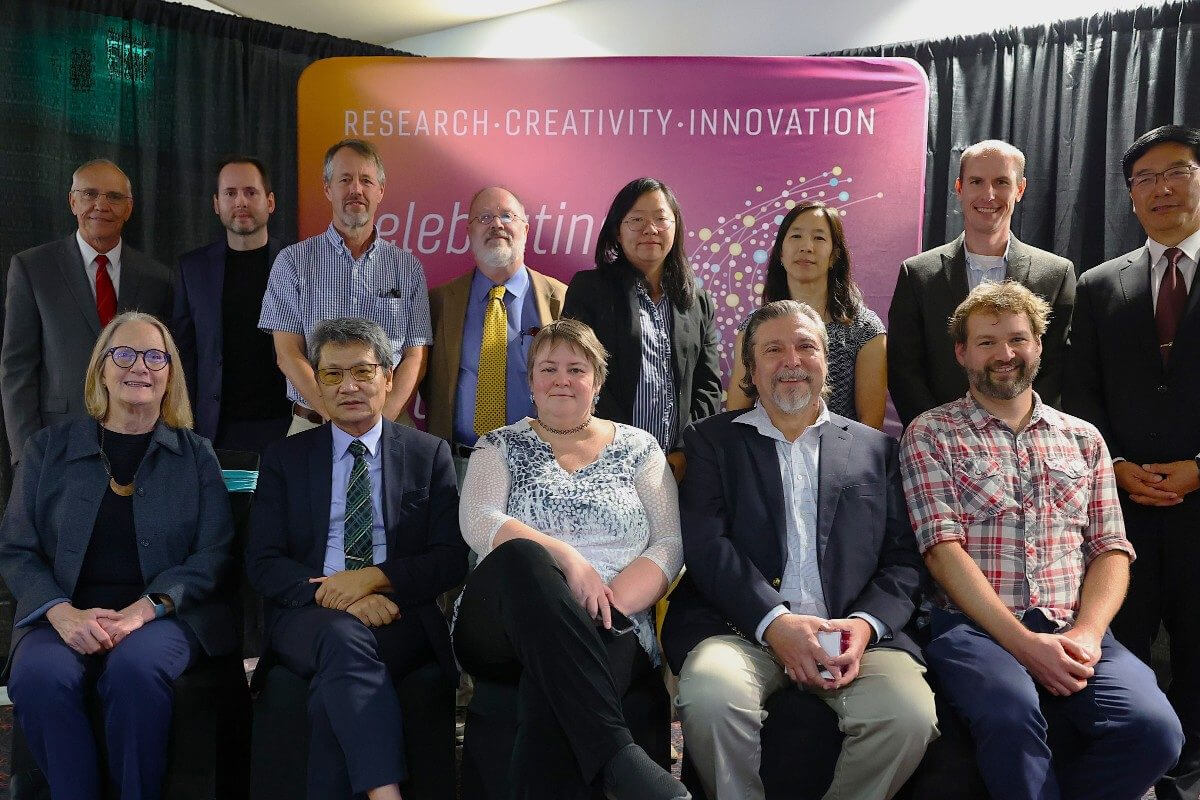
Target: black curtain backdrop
{"type": "Point", "coordinates": [1072, 95]}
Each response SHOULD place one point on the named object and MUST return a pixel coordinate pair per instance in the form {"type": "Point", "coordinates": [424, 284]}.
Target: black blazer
{"type": "Point", "coordinates": [922, 370]}
{"type": "Point", "coordinates": [289, 525]}
{"type": "Point", "coordinates": [1147, 413]}
{"type": "Point", "coordinates": [196, 324]}
{"type": "Point", "coordinates": [51, 324]}
{"type": "Point", "coordinates": [180, 514]}
{"type": "Point", "coordinates": [731, 507]}
{"type": "Point", "coordinates": [607, 301]}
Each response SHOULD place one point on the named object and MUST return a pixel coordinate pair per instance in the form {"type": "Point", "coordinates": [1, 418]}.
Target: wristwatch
{"type": "Point", "coordinates": [158, 602]}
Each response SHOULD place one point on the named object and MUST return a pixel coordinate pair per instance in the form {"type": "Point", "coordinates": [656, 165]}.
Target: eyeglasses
{"type": "Point", "coordinates": [1178, 174]}
{"type": "Point", "coordinates": [639, 223]}
{"type": "Point", "coordinates": [332, 376]}
{"type": "Point", "coordinates": [126, 357]}
{"type": "Point", "coordinates": [505, 217]}
{"type": "Point", "coordinates": [92, 195]}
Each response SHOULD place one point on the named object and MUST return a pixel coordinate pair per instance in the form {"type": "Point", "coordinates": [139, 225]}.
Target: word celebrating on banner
{"type": "Point", "coordinates": [740, 140]}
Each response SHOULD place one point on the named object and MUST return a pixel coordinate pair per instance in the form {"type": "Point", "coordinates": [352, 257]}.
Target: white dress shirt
{"type": "Point", "coordinates": [89, 254]}
{"type": "Point", "coordinates": [1158, 263]}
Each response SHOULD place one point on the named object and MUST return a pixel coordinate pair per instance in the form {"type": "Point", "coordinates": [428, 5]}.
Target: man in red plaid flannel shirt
{"type": "Point", "coordinates": [1016, 513]}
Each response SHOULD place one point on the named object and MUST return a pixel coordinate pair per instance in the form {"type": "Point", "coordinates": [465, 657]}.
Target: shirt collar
{"type": "Point", "coordinates": [517, 285]}
{"type": "Point", "coordinates": [980, 417]}
{"type": "Point", "coordinates": [335, 239]}
{"type": "Point", "coordinates": [758, 419]}
{"type": "Point", "coordinates": [967, 254]}
{"type": "Point", "coordinates": [342, 440]}
{"type": "Point", "coordinates": [1190, 247]}
{"type": "Point", "coordinates": [89, 253]}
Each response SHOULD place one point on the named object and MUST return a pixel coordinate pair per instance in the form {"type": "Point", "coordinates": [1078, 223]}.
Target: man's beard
{"type": "Point", "coordinates": [786, 400]}
{"type": "Point", "coordinates": [497, 254]}
{"type": "Point", "coordinates": [984, 382]}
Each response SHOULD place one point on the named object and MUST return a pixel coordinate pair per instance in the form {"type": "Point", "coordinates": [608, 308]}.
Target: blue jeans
{"type": "Point", "coordinates": [135, 681]}
{"type": "Point", "coordinates": [1131, 733]}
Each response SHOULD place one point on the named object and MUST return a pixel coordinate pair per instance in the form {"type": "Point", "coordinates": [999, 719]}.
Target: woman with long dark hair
{"type": "Point", "coordinates": [644, 304]}
{"type": "Point", "coordinates": [810, 262]}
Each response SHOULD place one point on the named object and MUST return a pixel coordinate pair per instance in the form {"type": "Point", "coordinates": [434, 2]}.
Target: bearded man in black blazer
{"type": "Point", "coordinates": [1134, 373]}
{"type": "Point", "coordinates": [56, 303]}
{"type": "Point", "coordinates": [353, 536]}
{"type": "Point", "coordinates": [922, 370]}
{"type": "Point", "coordinates": [794, 524]}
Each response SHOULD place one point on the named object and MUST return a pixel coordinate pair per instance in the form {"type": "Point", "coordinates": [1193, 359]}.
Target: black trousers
{"type": "Point", "coordinates": [1165, 586]}
{"type": "Point", "coordinates": [356, 741]}
{"type": "Point", "coordinates": [518, 623]}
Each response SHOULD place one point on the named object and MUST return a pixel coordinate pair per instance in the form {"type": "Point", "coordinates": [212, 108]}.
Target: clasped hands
{"type": "Point", "coordinates": [1060, 662]}
{"type": "Point", "coordinates": [357, 592]}
{"type": "Point", "coordinates": [89, 631]}
{"type": "Point", "coordinates": [793, 640]}
{"type": "Point", "coordinates": [1157, 484]}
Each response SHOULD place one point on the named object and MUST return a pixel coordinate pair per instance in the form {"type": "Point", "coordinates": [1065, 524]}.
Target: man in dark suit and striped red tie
{"type": "Point", "coordinates": [1134, 372]}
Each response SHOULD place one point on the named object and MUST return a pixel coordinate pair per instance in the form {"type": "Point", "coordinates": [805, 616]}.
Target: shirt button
{"type": "Point", "coordinates": [144, 542]}
{"type": "Point", "coordinates": [141, 492]}
{"type": "Point", "coordinates": [1162, 389]}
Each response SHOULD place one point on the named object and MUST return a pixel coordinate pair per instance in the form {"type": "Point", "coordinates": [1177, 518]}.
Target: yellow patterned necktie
{"type": "Point", "coordinates": [490, 399]}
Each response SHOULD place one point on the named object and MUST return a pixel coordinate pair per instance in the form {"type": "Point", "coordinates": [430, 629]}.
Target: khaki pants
{"type": "Point", "coordinates": [886, 713]}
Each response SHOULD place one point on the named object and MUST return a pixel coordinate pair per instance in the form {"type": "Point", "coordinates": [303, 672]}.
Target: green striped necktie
{"type": "Point", "coordinates": [357, 532]}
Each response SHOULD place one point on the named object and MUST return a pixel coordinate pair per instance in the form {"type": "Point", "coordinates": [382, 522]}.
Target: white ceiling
{"type": "Point", "coordinates": [374, 21]}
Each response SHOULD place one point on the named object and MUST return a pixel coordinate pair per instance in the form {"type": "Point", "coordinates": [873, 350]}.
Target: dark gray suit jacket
{"type": "Point", "coordinates": [180, 515]}
{"type": "Point", "coordinates": [731, 508]}
{"type": "Point", "coordinates": [51, 325]}
{"type": "Point", "coordinates": [922, 370]}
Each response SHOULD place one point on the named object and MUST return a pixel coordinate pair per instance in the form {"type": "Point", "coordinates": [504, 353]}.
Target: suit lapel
{"type": "Point", "coordinates": [1135, 285]}
{"type": "Point", "coordinates": [548, 306]}
{"type": "Point", "coordinates": [74, 275]}
{"type": "Point", "coordinates": [393, 481]}
{"type": "Point", "coordinates": [1018, 261]}
{"type": "Point", "coordinates": [454, 312]}
{"type": "Point", "coordinates": [765, 459]}
{"type": "Point", "coordinates": [835, 453]}
{"type": "Point", "coordinates": [630, 345]}
{"type": "Point", "coordinates": [954, 279]}
{"type": "Point", "coordinates": [214, 285]}
{"type": "Point", "coordinates": [320, 476]}
{"type": "Point", "coordinates": [682, 331]}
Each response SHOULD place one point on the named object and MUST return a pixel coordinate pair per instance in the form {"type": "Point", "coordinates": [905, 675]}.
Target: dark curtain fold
{"type": "Point", "coordinates": [1072, 95]}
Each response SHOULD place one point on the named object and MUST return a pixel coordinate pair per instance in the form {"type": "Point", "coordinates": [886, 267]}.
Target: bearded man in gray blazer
{"type": "Point", "coordinates": [922, 370]}
{"type": "Point", "coordinates": [57, 296]}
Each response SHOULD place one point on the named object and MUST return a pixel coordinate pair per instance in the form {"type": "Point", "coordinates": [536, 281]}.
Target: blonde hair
{"type": "Point", "coordinates": [1009, 297]}
{"type": "Point", "coordinates": [579, 336]}
{"type": "Point", "coordinates": [176, 409]}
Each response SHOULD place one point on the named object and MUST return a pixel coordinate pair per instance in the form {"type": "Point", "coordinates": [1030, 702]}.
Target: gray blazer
{"type": "Point", "coordinates": [51, 325]}
{"type": "Point", "coordinates": [181, 519]}
{"type": "Point", "coordinates": [922, 370]}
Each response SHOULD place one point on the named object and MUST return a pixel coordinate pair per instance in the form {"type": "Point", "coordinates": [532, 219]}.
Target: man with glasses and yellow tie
{"type": "Point", "coordinates": [353, 536]}
{"type": "Point", "coordinates": [483, 322]}
{"type": "Point", "coordinates": [61, 294]}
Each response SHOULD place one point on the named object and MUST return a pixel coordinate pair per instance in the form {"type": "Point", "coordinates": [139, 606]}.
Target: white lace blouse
{"type": "Point", "coordinates": [622, 506]}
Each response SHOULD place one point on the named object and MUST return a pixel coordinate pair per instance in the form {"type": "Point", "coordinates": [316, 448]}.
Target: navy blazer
{"type": "Point", "coordinates": [289, 525]}
{"type": "Point", "coordinates": [181, 519]}
{"type": "Point", "coordinates": [607, 301]}
{"type": "Point", "coordinates": [1116, 380]}
{"type": "Point", "coordinates": [734, 527]}
{"type": "Point", "coordinates": [51, 324]}
{"type": "Point", "coordinates": [196, 324]}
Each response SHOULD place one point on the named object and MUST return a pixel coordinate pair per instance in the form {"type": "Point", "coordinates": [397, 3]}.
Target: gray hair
{"type": "Point", "coordinates": [351, 330]}
{"type": "Point", "coordinates": [766, 313]}
{"type": "Point", "coordinates": [997, 146]}
{"type": "Point", "coordinates": [360, 146]}
{"type": "Point", "coordinates": [101, 162]}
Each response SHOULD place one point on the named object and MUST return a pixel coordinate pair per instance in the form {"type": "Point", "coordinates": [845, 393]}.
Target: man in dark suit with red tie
{"type": "Point", "coordinates": [1134, 372]}
{"type": "Point", "coordinates": [61, 294]}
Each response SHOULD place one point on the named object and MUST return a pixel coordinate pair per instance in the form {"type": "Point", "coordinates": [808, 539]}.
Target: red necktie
{"type": "Point", "coordinates": [1172, 298]}
{"type": "Point", "coordinates": [106, 294]}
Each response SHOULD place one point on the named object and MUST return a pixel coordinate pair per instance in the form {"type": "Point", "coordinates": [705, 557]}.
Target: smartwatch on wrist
{"type": "Point", "coordinates": [159, 605]}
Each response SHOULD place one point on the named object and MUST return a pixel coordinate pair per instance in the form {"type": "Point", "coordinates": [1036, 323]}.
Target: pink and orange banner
{"type": "Point", "coordinates": [740, 140]}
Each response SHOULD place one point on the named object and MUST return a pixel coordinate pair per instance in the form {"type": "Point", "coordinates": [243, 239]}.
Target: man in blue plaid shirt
{"type": "Point", "coordinates": [347, 271]}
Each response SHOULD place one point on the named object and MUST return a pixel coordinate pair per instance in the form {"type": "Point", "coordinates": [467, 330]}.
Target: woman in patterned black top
{"type": "Point", "coordinates": [810, 262]}
{"type": "Point", "coordinates": [576, 523]}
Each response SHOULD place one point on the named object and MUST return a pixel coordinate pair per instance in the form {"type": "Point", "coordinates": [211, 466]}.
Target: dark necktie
{"type": "Point", "coordinates": [106, 294]}
{"type": "Point", "coordinates": [356, 535]}
{"type": "Point", "coordinates": [1172, 298]}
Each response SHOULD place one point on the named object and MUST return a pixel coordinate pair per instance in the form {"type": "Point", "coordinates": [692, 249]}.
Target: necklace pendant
{"type": "Point", "coordinates": [120, 489]}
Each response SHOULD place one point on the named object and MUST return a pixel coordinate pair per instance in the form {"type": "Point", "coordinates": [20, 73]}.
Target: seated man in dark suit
{"type": "Point", "coordinates": [354, 534]}
{"type": "Point", "coordinates": [794, 525]}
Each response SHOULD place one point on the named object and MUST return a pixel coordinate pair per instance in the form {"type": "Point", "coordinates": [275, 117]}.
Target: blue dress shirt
{"type": "Point", "coordinates": [343, 461]}
{"type": "Point", "coordinates": [522, 319]}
